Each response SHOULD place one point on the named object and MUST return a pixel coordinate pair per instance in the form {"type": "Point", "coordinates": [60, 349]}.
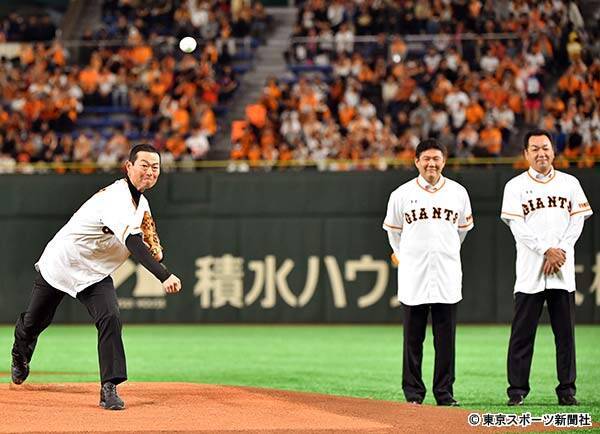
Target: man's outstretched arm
{"type": "Point", "coordinates": [139, 250]}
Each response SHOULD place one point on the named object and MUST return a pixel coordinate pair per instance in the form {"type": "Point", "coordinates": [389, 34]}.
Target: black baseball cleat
{"type": "Point", "coordinates": [19, 369]}
{"type": "Point", "coordinates": [450, 402]}
{"type": "Point", "coordinates": [567, 400]}
{"type": "Point", "coordinates": [109, 398]}
{"type": "Point", "coordinates": [515, 400]}
{"type": "Point", "coordinates": [416, 400]}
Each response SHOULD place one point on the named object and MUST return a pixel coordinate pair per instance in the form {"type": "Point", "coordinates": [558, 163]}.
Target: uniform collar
{"type": "Point", "coordinates": [539, 177]}
{"type": "Point", "coordinates": [135, 193]}
{"type": "Point", "coordinates": [431, 188]}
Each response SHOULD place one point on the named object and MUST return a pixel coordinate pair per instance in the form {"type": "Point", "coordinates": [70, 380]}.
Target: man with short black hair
{"type": "Point", "coordinates": [427, 220]}
{"type": "Point", "coordinates": [99, 237]}
{"type": "Point", "coordinates": [545, 210]}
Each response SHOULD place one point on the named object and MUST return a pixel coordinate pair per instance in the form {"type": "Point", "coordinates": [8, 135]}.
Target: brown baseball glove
{"type": "Point", "coordinates": [150, 237]}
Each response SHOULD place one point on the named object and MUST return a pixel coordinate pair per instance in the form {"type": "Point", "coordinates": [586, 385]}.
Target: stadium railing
{"type": "Point", "coordinates": [333, 165]}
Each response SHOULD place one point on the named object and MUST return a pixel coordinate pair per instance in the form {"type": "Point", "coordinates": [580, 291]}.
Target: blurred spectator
{"type": "Point", "coordinates": [379, 100]}
{"type": "Point", "coordinates": [48, 93]}
{"type": "Point", "coordinates": [32, 28]}
{"type": "Point", "coordinates": [471, 92]}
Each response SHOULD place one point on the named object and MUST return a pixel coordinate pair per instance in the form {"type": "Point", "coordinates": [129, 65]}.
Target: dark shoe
{"type": "Point", "coordinates": [450, 402]}
{"type": "Point", "coordinates": [417, 401]}
{"type": "Point", "coordinates": [109, 399]}
{"type": "Point", "coordinates": [567, 400]}
{"type": "Point", "coordinates": [19, 369]}
{"type": "Point", "coordinates": [515, 400]}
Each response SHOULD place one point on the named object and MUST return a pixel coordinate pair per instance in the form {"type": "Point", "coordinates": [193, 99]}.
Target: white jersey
{"type": "Point", "coordinates": [92, 243]}
{"type": "Point", "coordinates": [543, 212]}
{"type": "Point", "coordinates": [429, 219]}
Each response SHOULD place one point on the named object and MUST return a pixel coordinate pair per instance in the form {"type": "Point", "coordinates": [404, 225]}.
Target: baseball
{"type": "Point", "coordinates": [187, 44]}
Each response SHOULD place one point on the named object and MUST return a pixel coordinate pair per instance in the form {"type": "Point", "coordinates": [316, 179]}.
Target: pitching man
{"type": "Point", "coordinates": [78, 261]}
{"type": "Point", "coordinates": [427, 220]}
{"type": "Point", "coordinates": [545, 210]}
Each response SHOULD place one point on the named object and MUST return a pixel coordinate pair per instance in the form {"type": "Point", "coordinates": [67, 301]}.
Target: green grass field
{"type": "Point", "coordinates": [360, 361]}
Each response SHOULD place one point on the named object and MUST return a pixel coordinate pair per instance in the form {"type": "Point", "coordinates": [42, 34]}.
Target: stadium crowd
{"type": "Point", "coordinates": [376, 99]}
{"type": "Point", "coordinates": [363, 100]}
{"type": "Point", "coordinates": [32, 28]}
{"type": "Point", "coordinates": [208, 19]}
{"type": "Point", "coordinates": [154, 91]}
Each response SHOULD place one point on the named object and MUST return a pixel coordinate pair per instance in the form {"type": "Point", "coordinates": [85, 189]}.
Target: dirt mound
{"type": "Point", "coordinates": [184, 407]}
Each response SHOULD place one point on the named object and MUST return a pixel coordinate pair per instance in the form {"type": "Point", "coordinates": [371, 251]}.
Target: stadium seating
{"type": "Point", "coordinates": [134, 84]}
{"type": "Point", "coordinates": [389, 76]}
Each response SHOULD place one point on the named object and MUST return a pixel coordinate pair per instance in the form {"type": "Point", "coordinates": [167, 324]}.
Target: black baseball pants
{"type": "Point", "coordinates": [443, 320]}
{"type": "Point", "coordinates": [100, 299]}
{"type": "Point", "coordinates": [527, 311]}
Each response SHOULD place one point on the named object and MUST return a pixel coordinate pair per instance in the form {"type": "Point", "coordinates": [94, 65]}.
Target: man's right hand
{"type": "Point", "coordinates": [172, 284]}
{"type": "Point", "coordinates": [394, 259]}
{"type": "Point", "coordinates": [555, 258]}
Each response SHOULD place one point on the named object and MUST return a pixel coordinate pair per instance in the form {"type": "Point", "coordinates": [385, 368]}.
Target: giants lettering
{"type": "Point", "coordinates": [549, 201]}
{"type": "Point", "coordinates": [436, 213]}
{"type": "Point", "coordinates": [539, 204]}
{"type": "Point", "coordinates": [562, 201]}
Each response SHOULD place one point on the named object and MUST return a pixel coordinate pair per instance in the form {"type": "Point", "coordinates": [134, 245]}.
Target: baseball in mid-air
{"type": "Point", "coordinates": [187, 44]}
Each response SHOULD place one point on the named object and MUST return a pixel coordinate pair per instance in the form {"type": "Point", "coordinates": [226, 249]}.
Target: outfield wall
{"type": "Point", "coordinates": [278, 247]}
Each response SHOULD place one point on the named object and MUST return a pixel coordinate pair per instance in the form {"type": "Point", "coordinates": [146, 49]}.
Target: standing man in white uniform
{"type": "Point", "coordinates": [545, 210]}
{"type": "Point", "coordinates": [427, 220]}
{"type": "Point", "coordinates": [78, 261]}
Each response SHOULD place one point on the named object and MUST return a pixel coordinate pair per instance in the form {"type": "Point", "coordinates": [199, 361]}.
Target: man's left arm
{"type": "Point", "coordinates": [580, 210]}
{"type": "Point", "coordinates": [572, 233]}
{"type": "Point", "coordinates": [465, 221]}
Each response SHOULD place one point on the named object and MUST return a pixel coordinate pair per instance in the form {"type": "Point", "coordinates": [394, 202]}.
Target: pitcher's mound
{"type": "Point", "coordinates": [185, 407]}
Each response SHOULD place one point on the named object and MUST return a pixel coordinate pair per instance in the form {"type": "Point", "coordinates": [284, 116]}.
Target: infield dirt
{"type": "Point", "coordinates": [186, 407]}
